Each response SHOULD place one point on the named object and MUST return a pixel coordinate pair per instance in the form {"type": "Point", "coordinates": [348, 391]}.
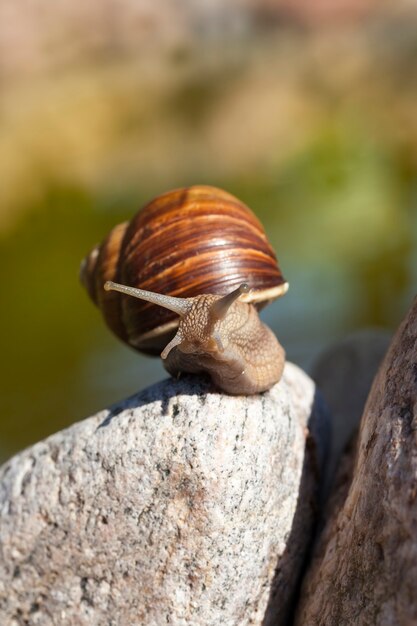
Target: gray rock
{"type": "Point", "coordinates": [179, 506]}
{"type": "Point", "coordinates": [344, 374]}
{"type": "Point", "coordinates": [364, 569]}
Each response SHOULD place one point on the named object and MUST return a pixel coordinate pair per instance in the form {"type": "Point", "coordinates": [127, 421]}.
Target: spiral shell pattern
{"type": "Point", "coordinates": [184, 243]}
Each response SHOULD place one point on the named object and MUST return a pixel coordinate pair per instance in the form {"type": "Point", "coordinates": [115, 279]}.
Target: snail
{"type": "Point", "coordinates": [199, 267]}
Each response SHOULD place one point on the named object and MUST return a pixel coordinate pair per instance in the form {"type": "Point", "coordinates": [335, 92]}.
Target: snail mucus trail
{"type": "Point", "coordinates": [219, 335]}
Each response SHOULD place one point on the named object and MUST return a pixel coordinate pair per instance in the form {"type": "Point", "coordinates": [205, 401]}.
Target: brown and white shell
{"type": "Point", "coordinates": [190, 241]}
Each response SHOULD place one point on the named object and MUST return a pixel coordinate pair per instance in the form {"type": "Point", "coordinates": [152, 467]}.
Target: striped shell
{"type": "Point", "coordinates": [184, 243]}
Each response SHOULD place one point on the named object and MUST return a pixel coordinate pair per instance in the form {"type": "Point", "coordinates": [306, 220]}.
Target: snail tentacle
{"type": "Point", "coordinates": [220, 307]}
{"type": "Point", "coordinates": [177, 305]}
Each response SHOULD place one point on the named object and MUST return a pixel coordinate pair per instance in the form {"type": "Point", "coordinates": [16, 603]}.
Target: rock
{"type": "Point", "coordinates": [364, 568]}
{"type": "Point", "coordinates": [344, 374]}
{"type": "Point", "coordinates": [179, 506]}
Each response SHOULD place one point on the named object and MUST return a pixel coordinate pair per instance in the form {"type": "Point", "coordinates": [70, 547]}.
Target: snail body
{"type": "Point", "coordinates": [202, 311]}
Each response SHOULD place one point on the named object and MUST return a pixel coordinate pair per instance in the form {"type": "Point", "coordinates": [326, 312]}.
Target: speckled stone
{"type": "Point", "coordinates": [179, 506]}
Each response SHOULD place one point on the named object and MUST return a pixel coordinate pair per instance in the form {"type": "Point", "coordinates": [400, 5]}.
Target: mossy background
{"type": "Point", "coordinates": [308, 118]}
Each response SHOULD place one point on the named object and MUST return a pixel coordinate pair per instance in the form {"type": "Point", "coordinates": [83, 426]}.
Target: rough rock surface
{"type": "Point", "coordinates": [180, 506]}
{"type": "Point", "coordinates": [365, 566]}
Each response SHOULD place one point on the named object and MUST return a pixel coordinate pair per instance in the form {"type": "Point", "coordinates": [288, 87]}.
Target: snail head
{"type": "Point", "coordinates": [201, 317]}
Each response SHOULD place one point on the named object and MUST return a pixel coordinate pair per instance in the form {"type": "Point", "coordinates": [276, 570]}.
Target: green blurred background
{"type": "Point", "coordinates": [306, 111]}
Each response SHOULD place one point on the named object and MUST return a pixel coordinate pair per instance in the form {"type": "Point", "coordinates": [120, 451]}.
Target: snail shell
{"type": "Point", "coordinates": [186, 242]}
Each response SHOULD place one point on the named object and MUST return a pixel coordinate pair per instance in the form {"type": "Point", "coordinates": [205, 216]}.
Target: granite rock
{"type": "Point", "coordinates": [179, 506]}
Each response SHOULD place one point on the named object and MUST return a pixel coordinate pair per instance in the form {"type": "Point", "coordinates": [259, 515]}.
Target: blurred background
{"type": "Point", "coordinates": [306, 110]}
